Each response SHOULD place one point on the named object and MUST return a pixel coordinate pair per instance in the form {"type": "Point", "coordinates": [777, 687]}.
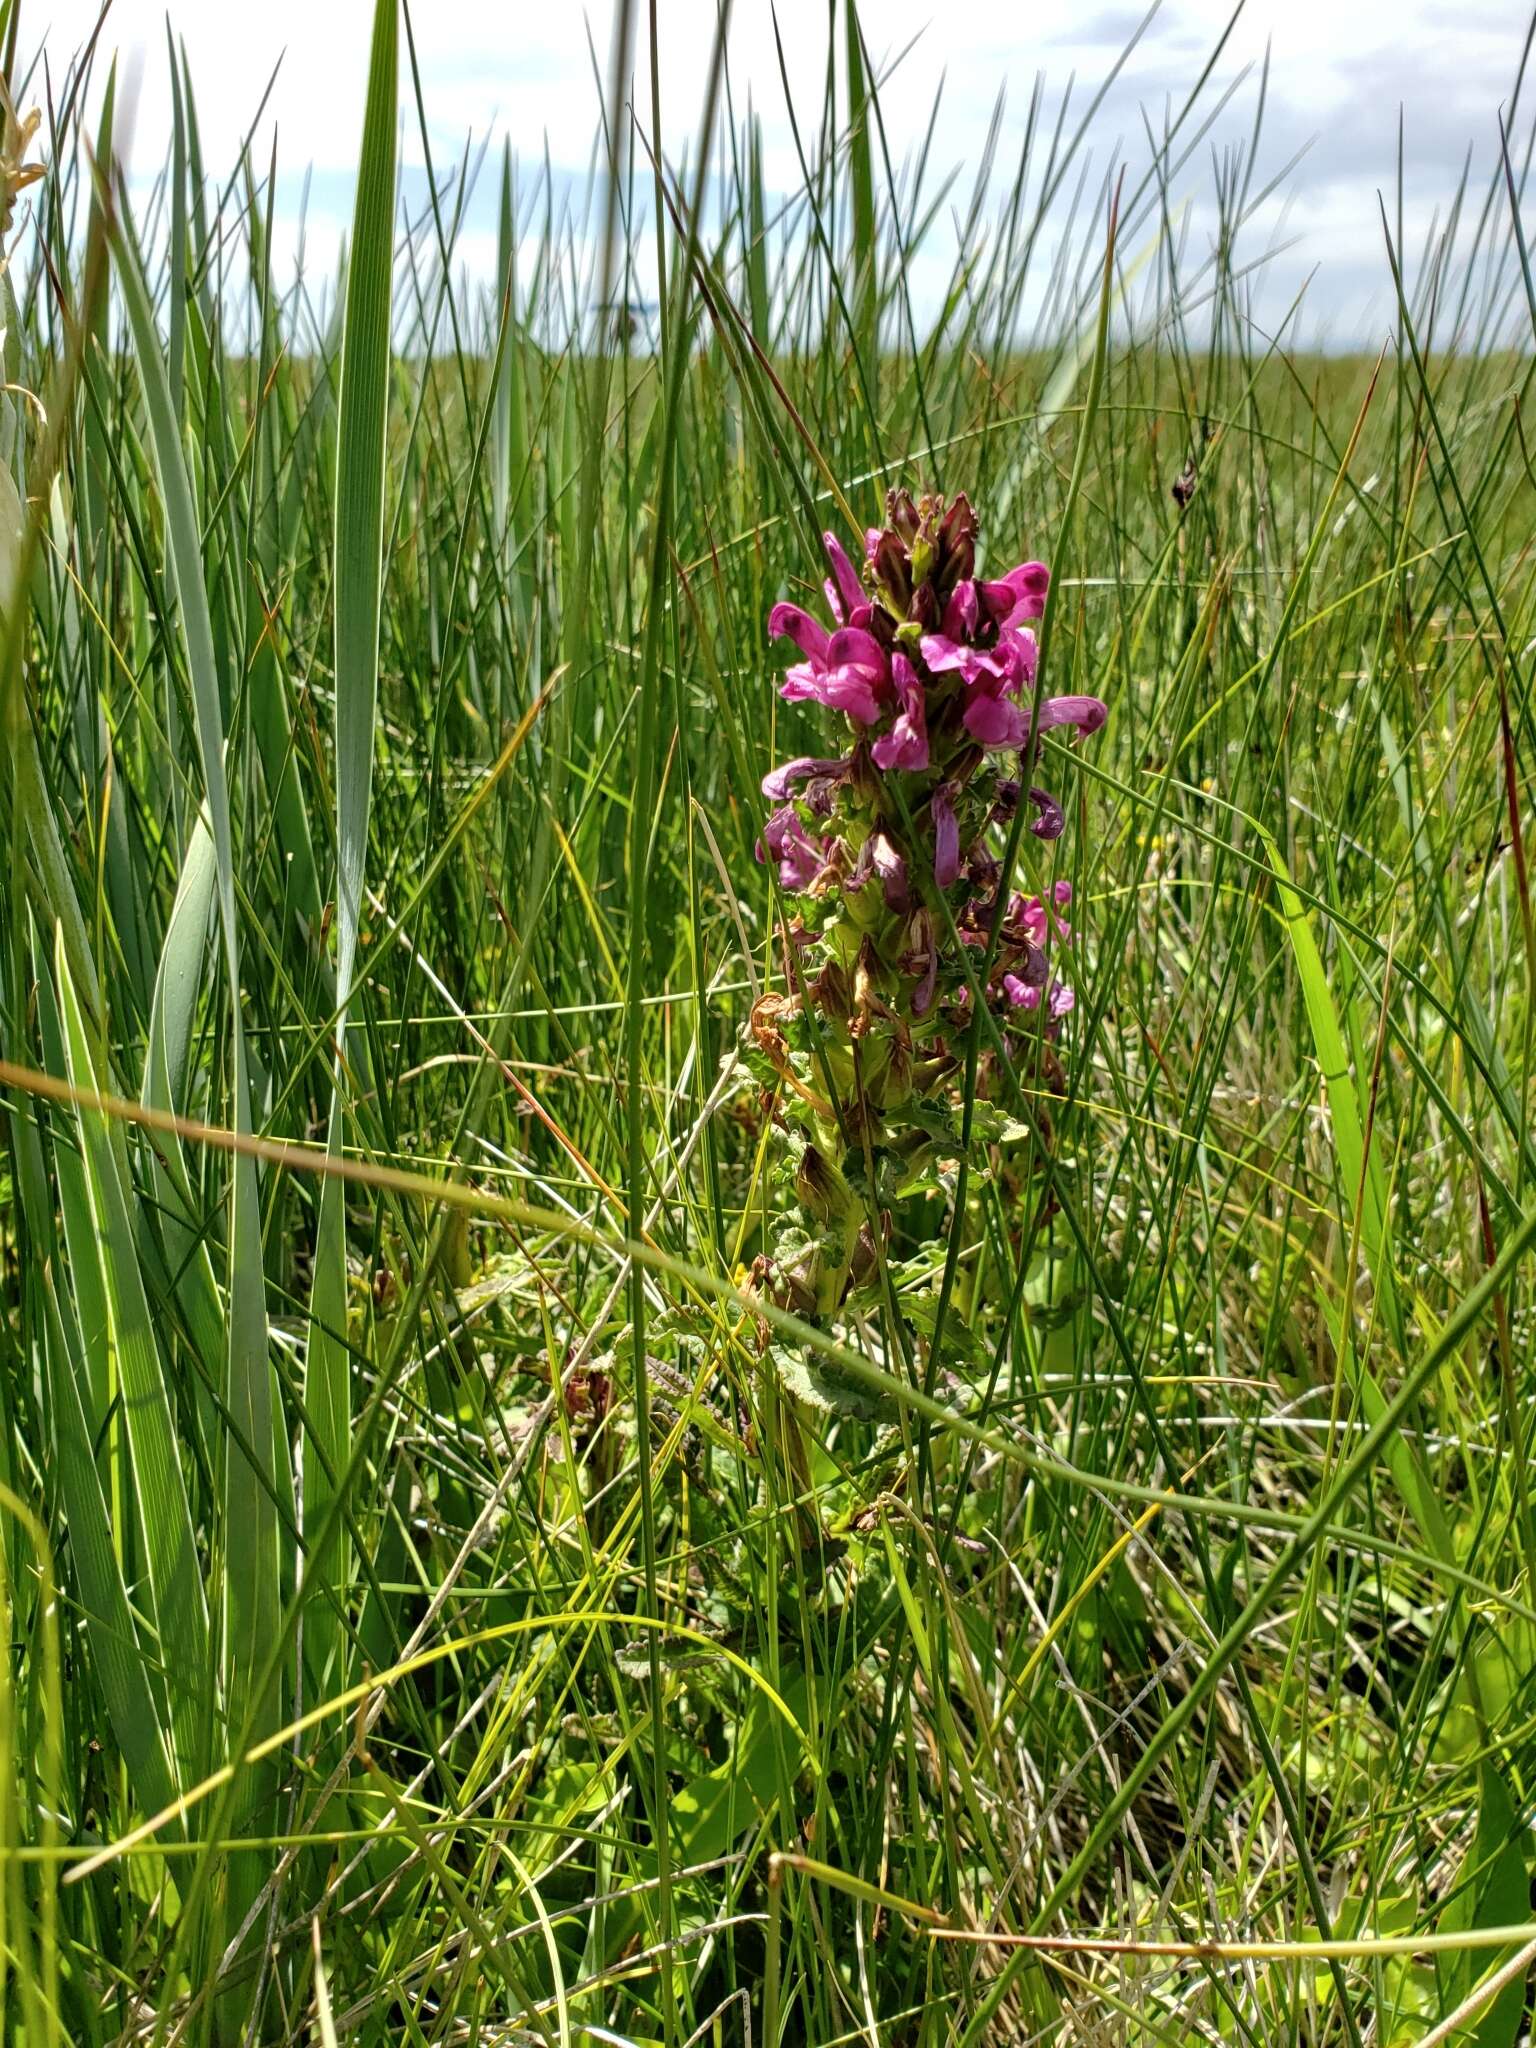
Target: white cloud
{"type": "Point", "coordinates": [496, 68]}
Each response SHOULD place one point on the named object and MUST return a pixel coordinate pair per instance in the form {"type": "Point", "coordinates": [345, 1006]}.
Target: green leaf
{"type": "Point", "coordinates": [172, 1017]}
{"type": "Point", "coordinates": [1361, 1180]}
{"type": "Point", "coordinates": [157, 1490]}
{"type": "Point", "coordinates": [821, 1383]}
{"type": "Point", "coordinates": [365, 358]}
{"type": "Point", "coordinates": [866, 247]}
{"type": "Point", "coordinates": [251, 1587]}
{"type": "Point", "coordinates": [126, 1670]}
{"type": "Point", "coordinates": [1494, 1891]}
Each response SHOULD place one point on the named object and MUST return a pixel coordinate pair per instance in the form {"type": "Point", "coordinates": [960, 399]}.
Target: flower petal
{"type": "Point", "coordinates": [845, 580]}
{"type": "Point", "coordinates": [1051, 822]}
{"type": "Point", "coordinates": [946, 835]}
{"type": "Point", "coordinates": [905, 746]}
{"type": "Point", "coordinates": [892, 870]}
{"type": "Point", "coordinates": [803, 681]}
{"type": "Point", "coordinates": [784, 837]}
{"type": "Point", "coordinates": [1086, 713]}
{"type": "Point", "coordinates": [996, 722]}
{"type": "Point", "coordinates": [856, 647]}
{"type": "Point", "coordinates": [943, 652]}
{"type": "Point", "coordinates": [960, 613]}
{"type": "Point", "coordinates": [849, 691]}
{"type": "Point", "coordinates": [1018, 655]}
{"type": "Point", "coordinates": [790, 622]}
{"type": "Point", "coordinates": [778, 782]}
{"type": "Point", "coordinates": [996, 602]}
{"type": "Point", "coordinates": [1030, 582]}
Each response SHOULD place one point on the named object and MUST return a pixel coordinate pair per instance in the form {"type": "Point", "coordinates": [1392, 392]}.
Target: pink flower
{"type": "Point", "coordinates": [789, 622]}
{"type": "Point", "coordinates": [1086, 713]}
{"type": "Point", "coordinates": [962, 612]}
{"type": "Point", "coordinates": [1029, 583]}
{"type": "Point", "coordinates": [1051, 822]}
{"type": "Point", "coordinates": [946, 835]}
{"type": "Point", "coordinates": [1022, 994]}
{"type": "Point", "coordinates": [996, 722]}
{"type": "Point", "coordinates": [785, 839]}
{"type": "Point", "coordinates": [845, 593]}
{"type": "Point", "coordinates": [1035, 921]}
{"type": "Point", "coordinates": [891, 869]}
{"type": "Point", "coordinates": [1028, 913]}
{"type": "Point", "coordinates": [1016, 598]}
{"type": "Point", "coordinates": [852, 676]}
{"type": "Point", "coordinates": [943, 653]}
{"type": "Point", "coordinates": [1062, 999]}
{"type": "Point", "coordinates": [905, 746]}
{"type": "Point", "coordinates": [1023, 653]}
{"type": "Point", "coordinates": [778, 782]}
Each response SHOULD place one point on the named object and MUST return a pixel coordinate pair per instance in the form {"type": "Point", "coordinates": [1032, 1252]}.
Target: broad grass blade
{"type": "Point", "coordinates": [359, 544]}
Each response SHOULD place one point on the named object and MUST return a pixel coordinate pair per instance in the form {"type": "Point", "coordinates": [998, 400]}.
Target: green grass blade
{"type": "Point", "coordinates": [360, 449]}
{"type": "Point", "coordinates": [161, 1511]}
{"type": "Point", "coordinates": [1363, 1186]}
{"type": "Point", "coordinates": [251, 1565]}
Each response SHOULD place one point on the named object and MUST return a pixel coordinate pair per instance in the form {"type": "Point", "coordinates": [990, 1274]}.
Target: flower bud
{"type": "Point", "coordinates": [892, 573]}
{"type": "Point", "coordinates": [901, 514]}
{"type": "Point", "coordinates": [821, 1189]}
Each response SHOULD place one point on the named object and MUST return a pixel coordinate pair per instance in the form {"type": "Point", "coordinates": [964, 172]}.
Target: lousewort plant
{"type": "Point", "coordinates": [890, 856]}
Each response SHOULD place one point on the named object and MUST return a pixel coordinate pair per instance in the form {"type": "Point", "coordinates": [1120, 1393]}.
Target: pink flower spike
{"type": "Point", "coordinates": [946, 835]}
{"type": "Point", "coordinates": [789, 622]}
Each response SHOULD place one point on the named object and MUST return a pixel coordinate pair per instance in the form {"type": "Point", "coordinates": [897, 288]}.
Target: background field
{"type": "Point", "coordinates": [1208, 1615]}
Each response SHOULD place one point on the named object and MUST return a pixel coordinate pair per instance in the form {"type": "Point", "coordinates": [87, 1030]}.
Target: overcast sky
{"type": "Point", "coordinates": [1340, 71]}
